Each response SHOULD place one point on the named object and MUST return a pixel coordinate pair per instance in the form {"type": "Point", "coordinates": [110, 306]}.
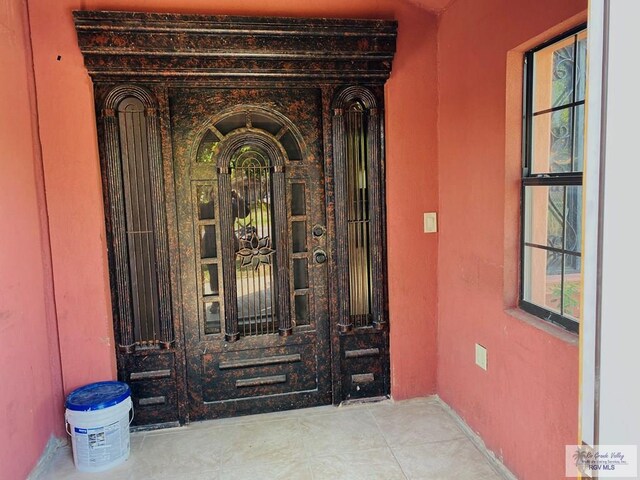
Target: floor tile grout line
{"type": "Point", "coordinates": [491, 458]}
{"type": "Point", "coordinates": [313, 475]}
{"type": "Point", "coordinates": [305, 443]}
{"type": "Point", "coordinates": [375, 420]}
{"type": "Point", "coordinates": [366, 411]}
{"type": "Point", "coordinates": [461, 434]}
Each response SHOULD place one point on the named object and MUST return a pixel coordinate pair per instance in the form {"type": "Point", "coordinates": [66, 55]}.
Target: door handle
{"type": "Point", "coordinates": [319, 256]}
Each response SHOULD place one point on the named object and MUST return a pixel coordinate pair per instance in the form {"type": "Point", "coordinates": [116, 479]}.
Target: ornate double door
{"type": "Point", "coordinates": [253, 248]}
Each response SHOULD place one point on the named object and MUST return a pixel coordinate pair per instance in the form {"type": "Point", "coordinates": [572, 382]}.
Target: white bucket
{"type": "Point", "coordinates": [100, 432]}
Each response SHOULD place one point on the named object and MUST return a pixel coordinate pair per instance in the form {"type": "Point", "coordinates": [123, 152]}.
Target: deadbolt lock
{"type": "Point", "coordinates": [318, 231]}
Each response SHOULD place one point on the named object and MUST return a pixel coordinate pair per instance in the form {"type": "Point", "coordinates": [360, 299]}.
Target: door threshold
{"type": "Point", "coordinates": [154, 426]}
{"type": "Point", "coordinates": [359, 401]}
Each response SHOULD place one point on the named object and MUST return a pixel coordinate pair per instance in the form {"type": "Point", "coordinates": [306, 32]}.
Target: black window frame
{"type": "Point", "coordinates": [545, 178]}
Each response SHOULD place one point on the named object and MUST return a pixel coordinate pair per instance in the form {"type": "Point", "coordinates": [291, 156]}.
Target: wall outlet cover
{"type": "Point", "coordinates": [430, 222]}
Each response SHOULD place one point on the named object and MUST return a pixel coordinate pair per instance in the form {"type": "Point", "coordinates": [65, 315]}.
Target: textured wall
{"type": "Point", "coordinates": [30, 393]}
{"type": "Point", "coordinates": [525, 406]}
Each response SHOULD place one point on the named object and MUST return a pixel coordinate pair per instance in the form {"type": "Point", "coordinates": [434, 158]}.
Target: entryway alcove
{"type": "Point", "coordinates": [243, 175]}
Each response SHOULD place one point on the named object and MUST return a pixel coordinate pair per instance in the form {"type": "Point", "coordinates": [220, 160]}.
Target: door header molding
{"type": "Point", "coordinates": [123, 45]}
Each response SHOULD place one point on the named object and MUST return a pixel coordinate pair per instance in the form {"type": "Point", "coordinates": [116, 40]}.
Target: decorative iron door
{"type": "Point", "coordinates": [253, 248]}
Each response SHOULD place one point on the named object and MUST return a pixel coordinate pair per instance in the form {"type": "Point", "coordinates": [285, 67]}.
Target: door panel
{"type": "Point", "coordinates": [259, 372]}
{"type": "Point", "coordinates": [253, 248]}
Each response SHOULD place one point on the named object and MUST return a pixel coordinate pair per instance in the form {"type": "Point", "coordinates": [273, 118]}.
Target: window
{"type": "Point", "coordinates": [554, 140]}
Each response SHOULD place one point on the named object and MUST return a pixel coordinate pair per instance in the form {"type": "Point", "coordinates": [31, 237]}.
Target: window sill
{"type": "Point", "coordinates": [556, 331]}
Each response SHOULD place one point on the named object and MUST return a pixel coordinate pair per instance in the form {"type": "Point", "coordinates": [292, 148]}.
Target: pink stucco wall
{"type": "Point", "coordinates": [30, 388]}
{"type": "Point", "coordinates": [525, 406]}
{"type": "Point", "coordinates": [452, 146]}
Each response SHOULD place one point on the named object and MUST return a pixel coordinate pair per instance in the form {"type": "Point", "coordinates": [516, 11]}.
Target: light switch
{"type": "Point", "coordinates": [430, 222]}
{"type": "Point", "coordinates": [481, 356]}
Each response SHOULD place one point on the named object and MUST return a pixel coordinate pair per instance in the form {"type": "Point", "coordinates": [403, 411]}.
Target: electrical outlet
{"type": "Point", "coordinates": [430, 222]}
{"type": "Point", "coordinates": [481, 356]}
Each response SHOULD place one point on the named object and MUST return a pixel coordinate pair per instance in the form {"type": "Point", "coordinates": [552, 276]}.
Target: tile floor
{"type": "Point", "coordinates": [414, 439]}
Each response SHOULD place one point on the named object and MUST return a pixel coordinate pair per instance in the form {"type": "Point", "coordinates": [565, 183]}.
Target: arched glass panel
{"type": "Point", "coordinates": [139, 226]}
{"type": "Point", "coordinates": [266, 123]}
{"type": "Point", "coordinates": [208, 148]}
{"type": "Point", "coordinates": [358, 215]}
{"type": "Point", "coordinates": [253, 228]}
{"type": "Point", "coordinates": [231, 122]}
{"type": "Point", "coordinates": [291, 146]}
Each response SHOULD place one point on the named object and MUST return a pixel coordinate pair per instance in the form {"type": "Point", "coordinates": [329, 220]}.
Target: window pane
{"type": "Point", "coordinates": [579, 138]}
{"type": "Point", "coordinates": [208, 148]}
{"type": "Point", "coordinates": [230, 123]}
{"type": "Point", "coordinates": [300, 273]}
{"type": "Point", "coordinates": [552, 142]}
{"type": "Point", "coordinates": [581, 67]}
{"type": "Point", "coordinates": [211, 318]}
{"type": "Point", "coordinates": [208, 241]}
{"type": "Point", "coordinates": [553, 75]}
{"type": "Point", "coordinates": [290, 144]}
{"type": "Point", "coordinates": [302, 309]}
{"type": "Point", "coordinates": [544, 216]}
{"type": "Point", "coordinates": [299, 236]}
{"type": "Point", "coordinates": [297, 199]}
{"type": "Point", "coordinates": [265, 123]}
{"type": "Point", "coordinates": [542, 278]}
{"type": "Point", "coordinates": [210, 279]}
{"type": "Point", "coordinates": [573, 219]}
{"type": "Point", "coordinates": [205, 194]}
{"type": "Point", "coordinates": [572, 287]}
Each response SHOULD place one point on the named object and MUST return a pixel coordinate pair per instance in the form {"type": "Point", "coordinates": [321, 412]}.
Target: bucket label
{"type": "Point", "coordinates": [102, 445]}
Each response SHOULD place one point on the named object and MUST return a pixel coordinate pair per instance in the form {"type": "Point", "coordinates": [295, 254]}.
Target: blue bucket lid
{"type": "Point", "coordinates": [97, 396]}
